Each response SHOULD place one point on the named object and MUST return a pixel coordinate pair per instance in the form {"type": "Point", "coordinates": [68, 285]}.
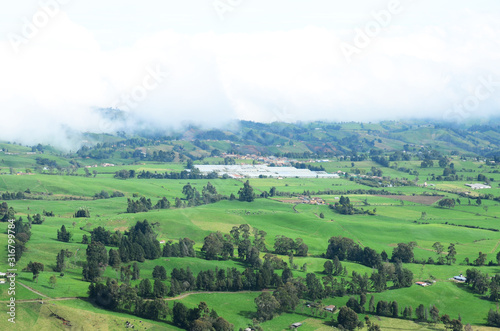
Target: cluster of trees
{"type": "Point", "coordinates": [105, 195]}
{"type": "Point", "coordinates": [105, 236]}
{"type": "Point", "coordinates": [46, 162]}
{"type": "Point", "coordinates": [6, 212]}
{"type": "Point", "coordinates": [13, 196]}
{"type": "Point", "coordinates": [286, 246]}
{"type": "Point", "coordinates": [199, 318]}
{"type": "Point", "coordinates": [448, 203]}
{"type": "Point", "coordinates": [346, 249]}
{"type": "Point", "coordinates": [97, 261]}
{"type": "Point", "coordinates": [137, 244]}
{"type": "Point", "coordinates": [125, 298]}
{"type": "Point", "coordinates": [144, 205]}
{"type": "Point", "coordinates": [82, 212]}
{"type": "Point", "coordinates": [22, 233]}
{"type": "Point", "coordinates": [48, 213]}
{"type": "Point", "coordinates": [344, 207]}
{"type": "Point", "coordinates": [61, 260]}
{"type": "Point", "coordinates": [64, 235]}
{"type": "Point", "coordinates": [494, 318]}
{"type": "Point", "coordinates": [35, 268]}
{"type": "Point", "coordinates": [481, 283]}
{"type": "Point", "coordinates": [185, 247]}
{"type": "Point", "coordinates": [246, 193]}
{"type": "Point", "coordinates": [348, 318]}
{"type": "Point", "coordinates": [162, 156]}
{"type": "Point", "coordinates": [383, 161]}
{"type": "Point", "coordinates": [233, 280]}
{"type": "Point", "coordinates": [36, 219]}
{"type": "Point", "coordinates": [341, 248]}
{"type": "Point", "coordinates": [208, 195]}
{"type": "Point", "coordinates": [216, 245]}
{"type": "Point", "coordinates": [124, 174]}
{"type": "Point", "coordinates": [182, 280]}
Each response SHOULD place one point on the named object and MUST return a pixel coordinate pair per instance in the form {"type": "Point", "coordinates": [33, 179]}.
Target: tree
{"type": "Point", "coordinates": [450, 258]}
{"type": "Point", "coordinates": [267, 306]}
{"type": "Point", "coordinates": [114, 259]}
{"type": "Point", "coordinates": [402, 277]}
{"type": "Point", "coordinates": [212, 245]}
{"type": "Point", "coordinates": [481, 259]}
{"type": "Point", "coordinates": [448, 203]}
{"type": "Point", "coordinates": [159, 289]}
{"type": "Point", "coordinates": [35, 268]}
{"type": "Point", "coordinates": [188, 191]}
{"type": "Point", "coordinates": [328, 266]}
{"type": "Point", "coordinates": [144, 289]}
{"type": "Point", "coordinates": [60, 265]}
{"type": "Point", "coordinates": [63, 234]}
{"type": "Point", "coordinates": [246, 193]}
{"type": "Point", "coordinates": [287, 297]}
{"type": "Point", "coordinates": [493, 317]}
{"type": "Point", "coordinates": [159, 272]}
{"type": "Point", "coordinates": [403, 252]}
{"type": "Point", "coordinates": [443, 162]}
{"type": "Point", "coordinates": [420, 312]}
{"type": "Point", "coordinates": [136, 271]}
{"type": "Point", "coordinates": [434, 313]}
{"type": "Point", "coordinates": [371, 304]}
{"type": "Point", "coordinates": [82, 212]}
{"type": "Point", "coordinates": [180, 315]}
{"type": "Point", "coordinates": [354, 305]}
{"type": "Point", "coordinates": [53, 281]}
{"type": "Point", "coordinates": [348, 318]}
{"type": "Point", "coordinates": [439, 249]}
{"type": "Point", "coordinates": [97, 260]}
{"type": "Point", "coordinates": [314, 287]}
{"type": "Point", "coordinates": [495, 288]}
{"type": "Point", "coordinates": [395, 309]}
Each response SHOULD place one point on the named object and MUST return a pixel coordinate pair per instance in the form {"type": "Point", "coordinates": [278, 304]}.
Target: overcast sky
{"type": "Point", "coordinates": [207, 61]}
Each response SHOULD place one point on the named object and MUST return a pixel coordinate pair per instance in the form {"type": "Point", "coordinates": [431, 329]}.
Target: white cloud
{"type": "Point", "coordinates": [57, 80]}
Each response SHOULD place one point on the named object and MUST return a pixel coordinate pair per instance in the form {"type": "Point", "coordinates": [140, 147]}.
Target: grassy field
{"type": "Point", "coordinates": [397, 220]}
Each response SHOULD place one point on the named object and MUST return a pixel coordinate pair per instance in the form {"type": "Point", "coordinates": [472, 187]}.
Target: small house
{"type": "Point", "coordinates": [330, 308]}
{"type": "Point", "coordinates": [424, 284]}
{"type": "Point", "coordinates": [460, 278]}
{"type": "Point", "coordinates": [295, 325]}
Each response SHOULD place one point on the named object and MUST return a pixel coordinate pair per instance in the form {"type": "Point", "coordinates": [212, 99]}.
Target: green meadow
{"type": "Point", "coordinates": [395, 221]}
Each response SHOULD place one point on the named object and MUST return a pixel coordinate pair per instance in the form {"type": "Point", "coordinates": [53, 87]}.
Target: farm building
{"type": "Point", "coordinates": [424, 284]}
{"type": "Point", "coordinates": [330, 308]}
{"type": "Point", "coordinates": [478, 186]}
{"type": "Point", "coordinates": [256, 171]}
{"type": "Point", "coordinates": [460, 278]}
{"type": "Point", "coordinates": [295, 325]}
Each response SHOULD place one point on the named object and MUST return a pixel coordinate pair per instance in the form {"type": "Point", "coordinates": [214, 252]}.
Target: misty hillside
{"type": "Point", "coordinates": [353, 141]}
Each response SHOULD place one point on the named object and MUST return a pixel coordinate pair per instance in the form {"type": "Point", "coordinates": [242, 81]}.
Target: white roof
{"type": "Point", "coordinates": [254, 171]}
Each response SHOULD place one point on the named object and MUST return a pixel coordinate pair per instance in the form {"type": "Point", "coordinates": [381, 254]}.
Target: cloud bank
{"type": "Point", "coordinates": [51, 87]}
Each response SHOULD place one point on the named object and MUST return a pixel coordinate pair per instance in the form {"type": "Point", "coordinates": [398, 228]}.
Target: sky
{"type": "Point", "coordinates": [170, 63]}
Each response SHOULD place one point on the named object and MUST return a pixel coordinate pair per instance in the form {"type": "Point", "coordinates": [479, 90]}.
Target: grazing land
{"type": "Point", "coordinates": [399, 210]}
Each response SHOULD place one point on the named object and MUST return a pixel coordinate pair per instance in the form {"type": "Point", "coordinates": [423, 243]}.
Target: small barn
{"type": "Point", "coordinates": [330, 308]}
